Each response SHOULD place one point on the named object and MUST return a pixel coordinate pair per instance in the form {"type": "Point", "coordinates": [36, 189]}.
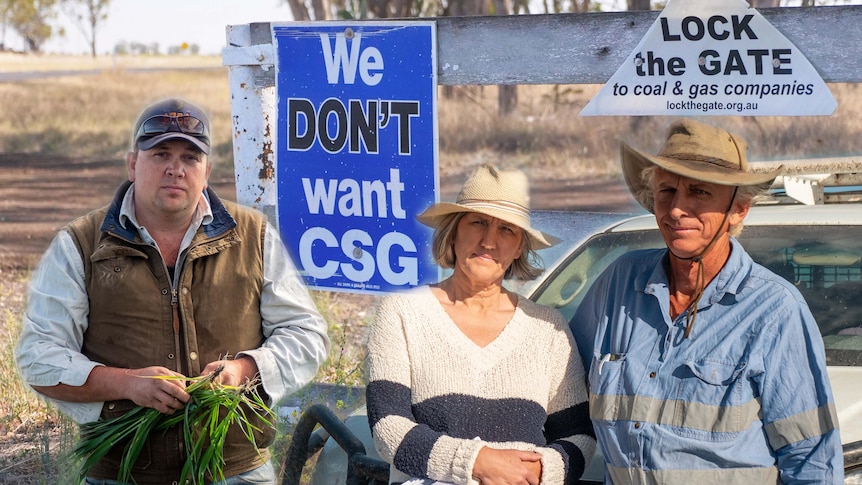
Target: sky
{"type": "Point", "coordinates": [168, 22]}
{"type": "Point", "coordinates": [173, 22]}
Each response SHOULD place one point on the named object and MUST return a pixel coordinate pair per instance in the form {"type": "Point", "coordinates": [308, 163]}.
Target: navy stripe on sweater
{"type": "Point", "coordinates": [461, 416]}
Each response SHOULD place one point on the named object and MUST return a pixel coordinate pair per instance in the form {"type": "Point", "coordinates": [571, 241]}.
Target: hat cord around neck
{"type": "Point", "coordinates": [698, 259]}
{"type": "Point", "coordinates": [698, 292]}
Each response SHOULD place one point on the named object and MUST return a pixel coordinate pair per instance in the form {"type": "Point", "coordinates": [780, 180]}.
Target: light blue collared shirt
{"type": "Point", "coordinates": [745, 399]}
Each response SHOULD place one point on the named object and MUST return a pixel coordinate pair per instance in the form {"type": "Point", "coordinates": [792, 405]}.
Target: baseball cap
{"type": "Point", "coordinates": [171, 119]}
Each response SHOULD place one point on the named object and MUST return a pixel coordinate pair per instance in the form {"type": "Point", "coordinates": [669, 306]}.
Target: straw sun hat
{"type": "Point", "coordinates": [697, 151]}
{"type": "Point", "coordinates": [504, 194]}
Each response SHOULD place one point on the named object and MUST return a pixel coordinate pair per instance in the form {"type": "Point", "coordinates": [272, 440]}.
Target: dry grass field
{"type": "Point", "coordinates": [11, 62]}
{"type": "Point", "coordinates": [63, 139]}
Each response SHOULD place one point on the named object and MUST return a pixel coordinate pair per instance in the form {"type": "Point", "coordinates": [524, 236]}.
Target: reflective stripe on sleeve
{"type": "Point", "coordinates": [798, 427]}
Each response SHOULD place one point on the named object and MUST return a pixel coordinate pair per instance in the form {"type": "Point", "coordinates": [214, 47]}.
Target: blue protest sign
{"type": "Point", "coordinates": [357, 151]}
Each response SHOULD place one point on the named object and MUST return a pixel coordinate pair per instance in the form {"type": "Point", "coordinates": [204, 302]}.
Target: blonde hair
{"type": "Point", "coordinates": [525, 268]}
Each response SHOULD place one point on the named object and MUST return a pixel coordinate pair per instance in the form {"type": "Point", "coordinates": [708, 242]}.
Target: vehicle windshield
{"type": "Point", "coordinates": [823, 262]}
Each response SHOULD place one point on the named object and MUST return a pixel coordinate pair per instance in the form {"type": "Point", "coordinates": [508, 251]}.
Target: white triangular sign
{"type": "Point", "coordinates": [713, 58]}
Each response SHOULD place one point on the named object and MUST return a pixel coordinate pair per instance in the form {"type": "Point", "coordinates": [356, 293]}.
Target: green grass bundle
{"type": "Point", "coordinates": [204, 429]}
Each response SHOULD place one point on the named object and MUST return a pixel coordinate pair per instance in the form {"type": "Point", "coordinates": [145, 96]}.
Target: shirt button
{"type": "Point", "coordinates": [111, 405]}
{"type": "Point", "coordinates": [637, 425]}
{"type": "Point", "coordinates": [193, 355]}
{"type": "Point", "coordinates": [652, 375]}
{"type": "Point", "coordinates": [185, 291]}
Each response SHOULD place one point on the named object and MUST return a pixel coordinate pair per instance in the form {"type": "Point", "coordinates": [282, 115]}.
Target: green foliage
{"type": "Point", "coordinates": [348, 318]}
{"type": "Point", "coordinates": [204, 429]}
{"type": "Point", "coordinates": [30, 19]}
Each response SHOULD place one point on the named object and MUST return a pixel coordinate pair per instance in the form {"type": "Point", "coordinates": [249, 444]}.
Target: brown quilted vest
{"type": "Point", "coordinates": [132, 321]}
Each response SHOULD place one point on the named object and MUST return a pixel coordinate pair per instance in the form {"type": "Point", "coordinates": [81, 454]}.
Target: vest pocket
{"type": "Point", "coordinates": [107, 252]}
{"type": "Point", "coordinates": [111, 265]}
{"type": "Point", "coordinates": [114, 409]}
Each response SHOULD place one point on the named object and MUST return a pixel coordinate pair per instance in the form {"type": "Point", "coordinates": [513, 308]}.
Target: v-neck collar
{"type": "Point", "coordinates": [506, 340]}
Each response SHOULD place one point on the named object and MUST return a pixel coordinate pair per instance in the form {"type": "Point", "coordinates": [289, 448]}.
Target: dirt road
{"type": "Point", "coordinates": [38, 195]}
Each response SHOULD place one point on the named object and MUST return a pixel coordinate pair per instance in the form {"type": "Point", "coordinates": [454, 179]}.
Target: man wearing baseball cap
{"type": "Point", "coordinates": [169, 280]}
{"type": "Point", "coordinates": [172, 119]}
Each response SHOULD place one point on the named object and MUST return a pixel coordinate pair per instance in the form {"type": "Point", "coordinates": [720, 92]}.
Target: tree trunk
{"type": "Point", "coordinates": [402, 8]}
{"type": "Point", "coordinates": [635, 122]}
{"type": "Point", "coordinates": [94, 26]}
{"type": "Point", "coordinates": [464, 8]}
{"type": "Point", "coordinates": [321, 10]}
{"type": "Point", "coordinates": [580, 6]}
{"type": "Point", "coordinates": [507, 99]}
{"type": "Point", "coordinates": [763, 3]}
{"type": "Point", "coordinates": [34, 46]}
{"type": "Point", "coordinates": [638, 4]}
{"type": "Point", "coordinates": [461, 8]}
{"type": "Point", "coordinates": [298, 9]}
{"type": "Point", "coordinates": [499, 7]}
{"type": "Point", "coordinates": [507, 95]}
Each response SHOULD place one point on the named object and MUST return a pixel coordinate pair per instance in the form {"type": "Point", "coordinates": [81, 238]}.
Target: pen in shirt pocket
{"type": "Point", "coordinates": [608, 358]}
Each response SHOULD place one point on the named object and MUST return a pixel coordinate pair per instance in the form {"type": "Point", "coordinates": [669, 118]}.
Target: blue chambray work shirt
{"type": "Point", "coordinates": [745, 399]}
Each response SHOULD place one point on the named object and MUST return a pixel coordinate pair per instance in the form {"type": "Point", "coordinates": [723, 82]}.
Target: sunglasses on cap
{"type": "Point", "coordinates": [159, 124]}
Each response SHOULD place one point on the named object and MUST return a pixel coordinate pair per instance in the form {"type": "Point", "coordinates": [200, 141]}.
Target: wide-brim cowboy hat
{"type": "Point", "coordinates": [697, 151]}
{"type": "Point", "coordinates": [504, 194]}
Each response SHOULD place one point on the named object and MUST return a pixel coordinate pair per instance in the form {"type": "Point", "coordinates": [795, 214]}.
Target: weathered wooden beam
{"type": "Point", "coordinates": [588, 48]}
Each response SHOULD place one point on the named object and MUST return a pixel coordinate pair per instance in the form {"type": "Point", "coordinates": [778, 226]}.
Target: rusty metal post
{"type": "Point", "coordinates": [250, 58]}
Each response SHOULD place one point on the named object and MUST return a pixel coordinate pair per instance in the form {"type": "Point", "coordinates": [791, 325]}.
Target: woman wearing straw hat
{"type": "Point", "coordinates": [705, 367]}
{"type": "Point", "coordinates": [468, 382]}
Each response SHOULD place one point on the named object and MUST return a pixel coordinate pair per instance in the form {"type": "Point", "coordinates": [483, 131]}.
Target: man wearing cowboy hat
{"type": "Point", "coordinates": [469, 382]}
{"type": "Point", "coordinates": [704, 367]}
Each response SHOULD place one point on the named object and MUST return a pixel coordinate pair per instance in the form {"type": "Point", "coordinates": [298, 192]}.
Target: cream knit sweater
{"type": "Point", "coordinates": [435, 397]}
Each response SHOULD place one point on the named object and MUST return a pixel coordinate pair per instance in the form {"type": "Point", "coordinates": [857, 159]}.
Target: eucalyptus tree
{"type": "Point", "coordinates": [30, 19]}
{"type": "Point", "coordinates": [88, 16]}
